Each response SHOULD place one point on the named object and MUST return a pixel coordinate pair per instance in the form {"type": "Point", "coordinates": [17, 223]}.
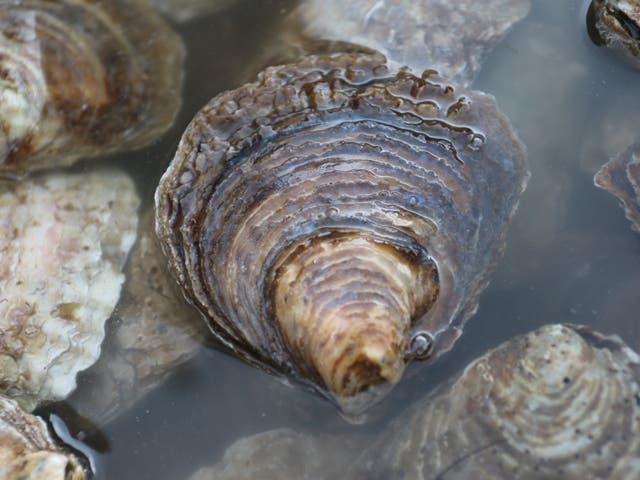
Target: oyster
{"type": "Point", "coordinates": [63, 242]}
{"type": "Point", "coordinates": [616, 25]}
{"type": "Point", "coordinates": [450, 37]}
{"type": "Point", "coordinates": [154, 331]}
{"type": "Point", "coordinates": [83, 78]}
{"type": "Point", "coordinates": [185, 10]}
{"type": "Point", "coordinates": [335, 219]}
{"type": "Point", "coordinates": [27, 451]}
{"type": "Point", "coordinates": [621, 177]}
{"type": "Point", "coordinates": [560, 402]}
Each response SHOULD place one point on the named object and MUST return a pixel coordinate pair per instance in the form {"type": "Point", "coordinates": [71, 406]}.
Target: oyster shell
{"type": "Point", "coordinates": [616, 25]}
{"type": "Point", "coordinates": [83, 78]}
{"type": "Point", "coordinates": [152, 333]}
{"type": "Point", "coordinates": [27, 451]}
{"type": "Point", "coordinates": [560, 402]}
{"type": "Point", "coordinates": [621, 177]}
{"type": "Point", "coordinates": [335, 219]}
{"type": "Point", "coordinates": [186, 10]}
{"type": "Point", "coordinates": [450, 37]}
{"type": "Point", "coordinates": [63, 242]}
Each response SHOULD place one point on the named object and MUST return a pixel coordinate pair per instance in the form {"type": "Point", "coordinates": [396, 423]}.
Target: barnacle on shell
{"type": "Point", "coordinates": [336, 219]}
{"type": "Point", "coordinates": [83, 78]}
{"type": "Point", "coordinates": [621, 177]}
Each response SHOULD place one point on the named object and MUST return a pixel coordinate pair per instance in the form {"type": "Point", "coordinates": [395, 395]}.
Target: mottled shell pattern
{"type": "Point", "coordinates": [452, 38]}
{"type": "Point", "coordinates": [621, 177]}
{"type": "Point", "coordinates": [335, 219]}
{"type": "Point", "coordinates": [27, 450]}
{"type": "Point", "coordinates": [83, 78]}
{"type": "Point", "coordinates": [64, 239]}
{"type": "Point", "coordinates": [616, 25]}
{"type": "Point", "coordinates": [560, 402]}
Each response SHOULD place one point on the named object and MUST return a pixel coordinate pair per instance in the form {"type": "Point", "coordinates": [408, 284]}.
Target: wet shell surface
{"type": "Point", "coordinates": [560, 402]}
{"type": "Point", "coordinates": [64, 239]}
{"type": "Point", "coordinates": [83, 78]}
{"type": "Point", "coordinates": [621, 177]}
{"type": "Point", "coordinates": [27, 451]}
{"type": "Point", "coordinates": [186, 10]}
{"type": "Point", "coordinates": [615, 24]}
{"type": "Point", "coordinates": [452, 38]}
{"type": "Point", "coordinates": [152, 333]}
{"type": "Point", "coordinates": [336, 219]}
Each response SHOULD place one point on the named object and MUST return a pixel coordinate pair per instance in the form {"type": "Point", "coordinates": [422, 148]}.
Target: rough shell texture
{"type": "Point", "coordinates": [185, 10]}
{"type": "Point", "coordinates": [64, 239]}
{"type": "Point", "coordinates": [616, 25]}
{"type": "Point", "coordinates": [621, 177]}
{"type": "Point", "coordinates": [353, 179]}
{"type": "Point", "coordinates": [27, 451]}
{"type": "Point", "coordinates": [151, 334]}
{"type": "Point", "coordinates": [560, 402]}
{"type": "Point", "coordinates": [450, 37]}
{"type": "Point", "coordinates": [83, 78]}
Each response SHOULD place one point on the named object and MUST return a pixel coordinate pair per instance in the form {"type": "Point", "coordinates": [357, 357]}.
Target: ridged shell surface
{"type": "Point", "coordinates": [615, 24]}
{"type": "Point", "coordinates": [27, 451]}
{"type": "Point", "coordinates": [560, 402]}
{"type": "Point", "coordinates": [363, 208]}
{"type": "Point", "coordinates": [64, 239]}
{"type": "Point", "coordinates": [82, 79]}
{"type": "Point", "coordinates": [452, 38]}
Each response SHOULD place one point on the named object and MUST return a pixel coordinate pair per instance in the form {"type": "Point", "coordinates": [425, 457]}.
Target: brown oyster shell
{"type": "Point", "coordinates": [83, 78]}
{"type": "Point", "coordinates": [27, 451]}
{"type": "Point", "coordinates": [153, 332]}
{"type": "Point", "coordinates": [186, 10]}
{"type": "Point", "coordinates": [351, 178]}
{"type": "Point", "coordinates": [560, 402]}
{"type": "Point", "coordinates": [621, 177]}
{"type": "Point", "coordinates": [64, 239]}
{"type": "Point", "coordinates": [616, 25]}
{"type": "Point", "coordinates": [452, 38]}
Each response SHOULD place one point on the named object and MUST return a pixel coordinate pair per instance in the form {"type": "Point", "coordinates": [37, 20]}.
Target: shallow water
{"type": "Point", "coordinates": [571, 255]}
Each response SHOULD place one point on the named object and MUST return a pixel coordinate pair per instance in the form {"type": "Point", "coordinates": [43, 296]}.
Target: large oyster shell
{"type": "Point", "coordinates": [616, 25]}
{"type": "Point", "coordinates": [27, 451]}
{"type": "Point", "coordinates": [621, 177]}
{"type": "Point", "coordinates": [335, 219]}
{"type": "Point", "coordinates": [452, 38]}
{"type": "Point", "coordinates": [560, 402]}
{"type": "Point", "coordinates": [152, 333]}
{"type": "Point", "coordinates": [83, 78]}
{"type": "Point", "coordinates": [63, 242]}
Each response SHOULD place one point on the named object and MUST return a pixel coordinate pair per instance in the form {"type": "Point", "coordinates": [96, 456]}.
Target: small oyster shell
{"type": "Point", "coordinates": [83, 78]}
{"type": "Point", "coordinates": [27, 451]}
{"type": "Point", "coordinates": [621, 177]}
{"type": "Point", "coordinates": [450, 37]}
{"type": "Point", "coordinates": [154, 331]}
{"type": "Point", "coordinates": [63, 241]}
{"type": "Point", "coordinates": [186, 10]}
{"type": "Point", "coordinates": [335, 219]}
{"type": "Point", "coordinates": [560, 402]}
{"type": "Point", "coordinates": [616, 25]}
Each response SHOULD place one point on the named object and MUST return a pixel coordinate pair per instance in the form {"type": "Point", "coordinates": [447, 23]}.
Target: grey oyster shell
{"type": "Point", "coordinates": [337, 199]}
{"type": "Point", "coordinates": [621, 177]}
{"type": "Point", "coordinates": [27, 451]}
{"type": "Point", "coordinates": [560, 402]}
{"type": "Point", "coordinates": [80, 79]}
{"type": "Point", "coordinates": [186, 10]}
{"type": "Point", "coordinates": [152, 333]}
{"type": "Point", "coordinates": [451, 37]}
{"type": "Point", "coordinates": [616, 25]}
{"type": "Point", "coordinates": [64, 239]}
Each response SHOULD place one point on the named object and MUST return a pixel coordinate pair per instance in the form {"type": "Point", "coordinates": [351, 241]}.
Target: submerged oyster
{"type": "Point", "coordinates": [560, 402]}
{"type": "Point", "coordinates": [154, 331]}
{"type": "Point", "coordinates": [185, 10]}
{"type": "Point", "coordinates": [83, 78]}
{"type": "Point", "coordinates": [335, 219]}
{"type": "Point", "coordinates": [621, 177]}
{"type": "Point", "coordinates": [616, 25]}
{"type": "Point", "coordinates": [63, 241]}
{"type": "Point", "coordinates": [27, 451]}
{"type": "Point", "coordinates": [450, 37]}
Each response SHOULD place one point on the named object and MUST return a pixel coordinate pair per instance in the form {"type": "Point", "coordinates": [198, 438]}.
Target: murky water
{"type": "Point", "coordinates": [571, 256]}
